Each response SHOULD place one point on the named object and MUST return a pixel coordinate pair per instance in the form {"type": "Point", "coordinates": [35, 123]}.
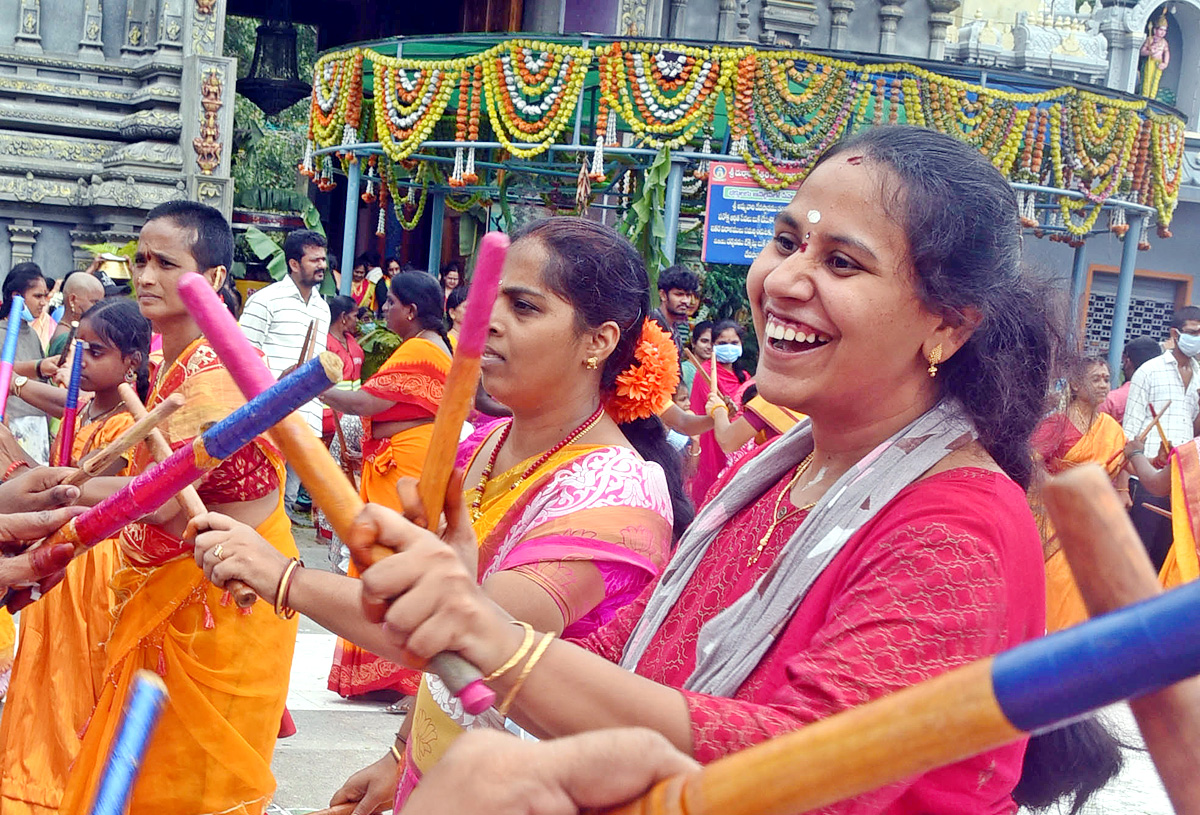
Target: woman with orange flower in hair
{"type": "Point", "coordinates": [574, 502]}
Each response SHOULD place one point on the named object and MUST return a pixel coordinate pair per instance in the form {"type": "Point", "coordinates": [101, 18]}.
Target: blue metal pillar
{"type": "Point", "coordinates": [1078, 280]}
{"type": "Point", "coordinates": [350, 225]}
{"type": "Point", "coordinates": [1116, 343]}
{"type": "Point", "coordinates": [437, 211]}
{"type": "Point", "coordinates": [671, 213]}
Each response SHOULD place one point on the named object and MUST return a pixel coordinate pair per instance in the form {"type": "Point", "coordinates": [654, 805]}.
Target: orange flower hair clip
{"type": "Point", "coordinates": [646, 385]}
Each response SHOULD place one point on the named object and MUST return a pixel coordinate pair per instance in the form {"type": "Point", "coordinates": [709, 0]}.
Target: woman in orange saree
{"type": "Point", "coordinates": [397, 404]}
{"type": "Point", "coordinates": [1181, 480]}
{"type": "Point", "coordinates": [226, 670]}
{"type": "Point", "coordinates": [1078, 435]}
{"type": "Point", "coordinates": [63, 634]}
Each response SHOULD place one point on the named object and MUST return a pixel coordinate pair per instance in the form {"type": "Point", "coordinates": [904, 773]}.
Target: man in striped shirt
{"type": "Point", "coordinates": [276, 320]}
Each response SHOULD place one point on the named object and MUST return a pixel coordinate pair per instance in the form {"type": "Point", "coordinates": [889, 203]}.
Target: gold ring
{"type": "Point", "coordinates": [217, 551]}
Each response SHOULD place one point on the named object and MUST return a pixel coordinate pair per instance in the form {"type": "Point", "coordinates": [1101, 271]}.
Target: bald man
{"type": "Point", "coordinates": [81, 291]}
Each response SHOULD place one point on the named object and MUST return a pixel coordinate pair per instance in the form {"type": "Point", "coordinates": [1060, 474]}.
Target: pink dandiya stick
{"type": "Point", "coordinates": [66, 432]}
{"type": "Point", "coordinates": [463, 380]}
{"type": "Point", "coordinates": [9, 352]}
{"type": "Point", "coordinates": [320, 474]}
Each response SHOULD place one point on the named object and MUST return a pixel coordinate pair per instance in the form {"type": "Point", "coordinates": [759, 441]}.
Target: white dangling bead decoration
{"type": "Point", "coordinates": [469, 174]}
{"type": "Point", "coordinates": [381, 224]}
{"type": "Point", "coordinates": [456, 177]}
{"type": "Point", "coordinates": [306, 166]}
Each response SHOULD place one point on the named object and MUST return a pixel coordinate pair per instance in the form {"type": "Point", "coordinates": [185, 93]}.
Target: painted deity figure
{"type": "Point", "coordinates": [1158, 56]}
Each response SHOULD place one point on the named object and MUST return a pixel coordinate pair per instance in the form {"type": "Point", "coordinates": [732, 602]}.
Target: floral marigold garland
{"type": "Point", "coordinates": [650, 381]}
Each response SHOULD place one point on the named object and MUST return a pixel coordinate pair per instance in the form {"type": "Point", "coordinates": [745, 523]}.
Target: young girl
{"type": "Point", "coordinates": [63, 634]}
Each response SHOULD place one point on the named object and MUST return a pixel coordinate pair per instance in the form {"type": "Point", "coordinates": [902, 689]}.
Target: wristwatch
{"type": "Point", "coordinates": [18, 382]}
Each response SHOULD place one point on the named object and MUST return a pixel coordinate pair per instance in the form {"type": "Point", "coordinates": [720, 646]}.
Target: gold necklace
{"type": "Point", "coordinates": [780, 514]}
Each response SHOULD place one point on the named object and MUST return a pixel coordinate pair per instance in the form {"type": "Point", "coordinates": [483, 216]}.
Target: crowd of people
{"type": "Point", "coordinates": [656, 553]}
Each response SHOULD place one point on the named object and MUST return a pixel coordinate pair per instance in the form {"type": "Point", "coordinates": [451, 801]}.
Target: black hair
{"type": "Point", "coordinates": [456, 297]}
{"type": "Point", "coordinates": [361, 260]}
{"type": "Point", "coordinates": [340, 306]}
{"type": "Point", "coordinates": [595, 269]}
{"type": "Point", "coordinates": [119, 322]}
{"type": "Point", "coordinates": [452, 266]}
{"type": "Point", "coordinates": [720, 328]}
{"type": "Point", "coordinates": [678, 277]}
{"type": "Point", "coordinates": [211, 243]}
{"type": "Point", "coordinates": [1141, 350]}
{"type": "Point", "coordinates": [961, 220]}
{"type": "Point", "coordinates": [331, 262]}
{"type": "Point", "coordinates": [18, 281]}
{"type": "Point", "coordinates": [1183, 315]}
{"type": "Point", "coordinates": [964, 238]}
{"type": "Point", "coordinates": [300, 241]}
{"type": "Point", "coordinates": [698, 329]}
{"type": "Point", "coordinates": [424, 293]}
{"type": "Point", "coordinates": [389, 260]}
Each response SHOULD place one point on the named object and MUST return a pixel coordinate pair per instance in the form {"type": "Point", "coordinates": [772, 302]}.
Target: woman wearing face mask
{"type": "Point", "coordinates": [727, 350]}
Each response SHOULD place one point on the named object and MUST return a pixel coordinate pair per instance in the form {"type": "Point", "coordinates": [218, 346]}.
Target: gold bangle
{"type": "Point", "coordinates": [285, 583]}
{"type": "Point", "coordinates": [517, 656]}
{"type": "Point", "coordinates": [502, 709]}
{"type": "Point", "coordinates": [715, 408]}
{"type": "Point", "coordinates": [396, 754]}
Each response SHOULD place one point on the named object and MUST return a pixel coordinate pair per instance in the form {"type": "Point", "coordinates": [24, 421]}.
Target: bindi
{"type": "Point", "coordinates": [854, 160]}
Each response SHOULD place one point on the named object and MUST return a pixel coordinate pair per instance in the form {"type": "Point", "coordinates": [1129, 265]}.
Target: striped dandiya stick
{"type": "Point", "coordinates": [143, 707]}
{"type": "Point", "coordinates": [9, 352]}
{"type": "Point", "coordinates": [159, 484]}
{"type": "Point", "coordinates": [320, 474]}
{"type": "Point", "coordinates": [985, 704]}
{"type": "Point", "coordinates": [62, 357]}
{"type": "Point", "coordinates": [1112, 570]}
{"type": "Point", "coordinates": [66, 431]}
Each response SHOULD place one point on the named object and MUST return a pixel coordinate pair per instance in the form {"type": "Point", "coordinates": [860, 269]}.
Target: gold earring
{"type": "Point", "coordinates": [592, 363]}
{"type": "Point", "coordinates": [935, 356]}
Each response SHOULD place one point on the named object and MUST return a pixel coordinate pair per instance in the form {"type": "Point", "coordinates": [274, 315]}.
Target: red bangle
{"type": "Point", "coordinates": [12, 468]}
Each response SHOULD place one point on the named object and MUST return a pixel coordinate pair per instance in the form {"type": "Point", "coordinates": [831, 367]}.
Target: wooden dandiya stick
{"type": "Point", "coordinates": [306, 346]}
{"type": "Point", "coordinates": [1157, 510]}
{"type": "Point", "coordinates": [188, 499]}
{"type": "Point", "coordinates": [319, 473]}
{"type": "Point", "coordinates": [9, 352]}
{"type": "Point", "coordinates": [143, 707]}
{"type": "Point", "coordinates": [1158, 425]}
{"type": "Point", "coordinates": [151, 489]}
{"type": "Point", "coordinates": [1112, 570]}
{"type": "Point", "coordinates": [462, 382]}
{"type": "Point", "coordinates": [1141, 437]}
{"type": "Point", "coordinates": [66, 431]}
{"type": "Point", "coordinates": [123, 443]}
{"type": "Point", "coordinates": [336, 809]}
{"type": "Point", "coordinates": [62, 357]}
{"type": "Point", "coordinates": [695, 360]}
{"type": "Point", "coordinates": [983, 705]}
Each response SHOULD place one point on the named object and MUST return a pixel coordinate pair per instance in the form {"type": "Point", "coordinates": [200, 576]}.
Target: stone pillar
{"type": "Point", "coordinates": [727, 21]}
{"type": "Point", "coordinates": [676, 17]}
{"type": "Point", "coordinates": [839, 20]}
{"type": "Point", "coordinates": [941, 17]}
{"type": "Point", "coordinates": [1123, 45]}
{"type": "Point", "coordinates": [207, 105]}
{"type": "Point", "coordinates": [91, 45]}
{"type": "Point", "coordinates": [29, 26]}
{"type": "Point", "coordinates": [22, 235]}
{"type": "Point", "coordinates": [743, 23]}
{"type": "Point", "coordinates": [170, 27]}
{"type": "Point", "coordinates": [890, 14]}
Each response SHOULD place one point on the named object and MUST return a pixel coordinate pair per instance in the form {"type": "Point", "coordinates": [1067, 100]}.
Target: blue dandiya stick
{"type": "Point", "coordinates": [9, 353]}
{"type": "Point", "coordinates": [66, 433]}
{"type": "Point", "coordinates": [143, 707]}
{"type": "Point", "coordinates": [985, 704]}
{"type": "Point", "coordinates": [159, 484]}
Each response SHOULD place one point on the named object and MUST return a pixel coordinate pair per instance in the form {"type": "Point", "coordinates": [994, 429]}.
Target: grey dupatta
{"type": "Point", "coordinates": [733, 642]}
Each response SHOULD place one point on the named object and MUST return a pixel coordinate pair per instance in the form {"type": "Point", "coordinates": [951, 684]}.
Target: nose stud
{"type": "Point", "coordinates": [804, 243]}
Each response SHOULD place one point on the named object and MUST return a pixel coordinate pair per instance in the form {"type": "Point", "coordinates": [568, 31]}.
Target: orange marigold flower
{"type": "Point", "coordinates": [643, 387]}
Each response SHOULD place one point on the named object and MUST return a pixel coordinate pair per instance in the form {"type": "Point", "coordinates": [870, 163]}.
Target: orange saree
{"type": "Point", "coordinates": [1061, 446]}
{"type": "Point", "coordinates": [61, 658]}
{"type": "Point", "coordinates": [1183, 563]}
{"type": "Point", "coordinates": [412, 378]}
{"type": "Point", "coordinates": [226, 671]}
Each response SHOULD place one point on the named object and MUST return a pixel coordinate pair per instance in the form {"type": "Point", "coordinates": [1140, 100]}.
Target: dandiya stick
{"type": "Point", "coordinates": [1112, 570]}
{"type": "Point", "coordinates": [123, 443]}
{"type": "Point", "coordinates": [319, 473]}
{"type": "Point", "coordinates": [306, 347]}
{"type": "Point", "coordinates": [1158, 425]}
{"type": "Point", "coordinates": [1141, 437]}
{"type": "Point", "coordinates": [62, 357]}
{"type": "Point", "coordinates": [463, 380]}
{"type": "Point", "coordinates": [1157, 510]}
{"type": "Point", "coordinates": [985, 704]}
{"type": "Point", "coordinates": [66, 432]}
{"type": "Point", "coordinates": [9, 352]}
{"type": "Point", "coordinates": [188, 499]}
{"type": "Point", "coordinates": [143, 707]}
{"type": "Point", "coordinates": [151, 489]}
{"type": "Point", "coordinates": [692, 358]}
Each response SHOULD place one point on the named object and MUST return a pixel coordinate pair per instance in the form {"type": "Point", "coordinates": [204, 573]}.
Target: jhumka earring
{"type": "Point", "coordinates": [935, 356]}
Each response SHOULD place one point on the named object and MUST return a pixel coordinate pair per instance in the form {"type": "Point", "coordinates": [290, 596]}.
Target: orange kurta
{"type": "Point", "coordinates": [413, 377]}
{"type": "Point", "coordinates": [1101, 445]}
{"type": "Point", "coordinates": [60, 665]}
{"type": "Point", "coordinates": [226, 672]}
